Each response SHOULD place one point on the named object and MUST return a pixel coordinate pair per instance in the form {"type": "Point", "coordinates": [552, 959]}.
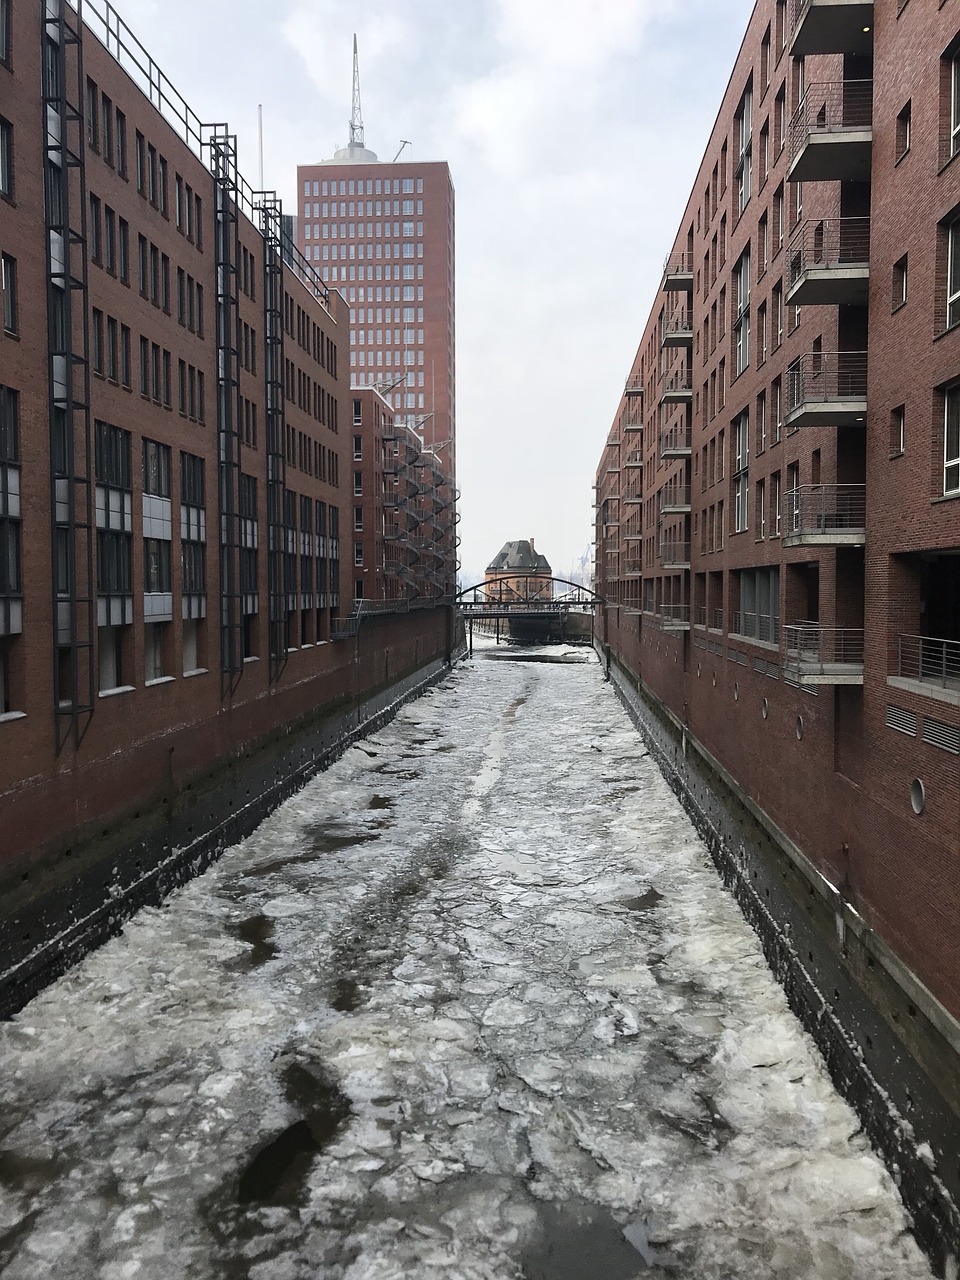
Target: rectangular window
{"type": "Point", "coordinates": [143, 264]}
{"type": "Point", "coordinates": [904, 130]}
{"type": "Point", "coordinates": [106, 117]}
{"type": "Point", "coordinates": [775, 504]}
{"type": "Point", "coordinates": [141, 144]}
{"type": "Point", "coordinates": [897, 431]}
{"type": "Point", "coordinates": [96, 337]}
{"type": "Point", "coordinates": [144, 366]}
{"type": "Point", "coordinates": [93, 104]}
{"type": "Point", "coordinates": [741, 334]}
{"type": "Point", "coordinates": [6, 158]}
{"type": "Point", "coordinates": [121, 144]}
{"type": "Point", "coordinates": [125, 372]}
{"type": "Point", "coordinates": [110, 240]}
{"type": "Point", "coordinates": [123, 245]}
{"type": "Point", "coordinates": [112, 460]}
{"type": "Point", "coordinates": [744, 132]}
{"type": "Point", "coordinates": [953, 273]}
{"type": "Point", "coordinates": [156, 565]}
{"type": "Point", "coordinates": [5, 42]}
{"type": "Point", "coordinates": [112, 349]}
{"type": "Point", "coordinates": [899, 282]}
{"type": "Point", "coordinates": [8, 282]}
{"type": "Point", "coordinates": [96, 237]}
{"type": "Point", "coordinates": [954, 103]}
{"type": "Point", "coordinates": [156, 469]}
{"type": "Point", "coordinates": [951, 441]}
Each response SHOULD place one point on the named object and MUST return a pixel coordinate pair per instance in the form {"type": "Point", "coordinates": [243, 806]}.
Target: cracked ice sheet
{"type": "Point", "coordinates": [517, 1038]}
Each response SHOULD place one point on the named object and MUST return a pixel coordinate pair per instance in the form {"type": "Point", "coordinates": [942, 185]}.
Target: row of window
{"type": "Point", "coordinates": [351, 186]}
{"type": "Point", "coordinates": [309, 336]}
{"type": "Point", "coordinates": [331, 275]}
{"type": "Point", "coordinates": [361, 230]}
{"type": "Point", "coordinates": [365, 252]}
{"type": "Point", "coordinates": [351, 210]}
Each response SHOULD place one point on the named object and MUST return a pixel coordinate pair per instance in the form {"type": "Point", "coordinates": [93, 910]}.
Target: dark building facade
{"type": "Point", "coordinates": [175, 460]}
{"type": "Point", "coordinates": [778, 510]}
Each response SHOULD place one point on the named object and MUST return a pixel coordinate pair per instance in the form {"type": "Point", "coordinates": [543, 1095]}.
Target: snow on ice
{"type": "Point", "coordinates": [473, 1004]}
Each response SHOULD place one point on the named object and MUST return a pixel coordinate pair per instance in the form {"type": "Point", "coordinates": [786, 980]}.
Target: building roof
{"type": "Point", "coordinates": [519, 555]}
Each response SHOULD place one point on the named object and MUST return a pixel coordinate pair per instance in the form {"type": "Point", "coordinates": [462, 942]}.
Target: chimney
{"type": "Point", "coordinates": [532, 547]}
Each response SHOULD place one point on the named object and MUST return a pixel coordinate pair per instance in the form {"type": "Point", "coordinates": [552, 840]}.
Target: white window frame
{"type": "Point", "coordinates": [953, 270]}
{"type": "Point", "coordinates": [951, 441]}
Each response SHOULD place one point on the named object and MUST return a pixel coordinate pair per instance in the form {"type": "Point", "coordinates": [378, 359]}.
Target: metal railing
{"type": "Point", "coordinates": [825, 508]}
{"type": "Point", "coordinates": [681, 321]}
{"type": "Point", "coordinates": [821, 243]}
{"type": "Point", "coordinates": [675, 438]}
{"type": "Point", "coordinates": [819, 377]}
{"type": "Point", "coordinates": [801, 6]}
{"type": "Point", "coordinates": [929, 660]}
{"type": "Point", "coordinates": [633, 387]}
{"type": "Point", "coordinates": [634, 458]}
{"type": "Point", "coordinates": [632, 422]}
{"type": "Point", "coordinates": [633, 566]}
{"type": "Point", "coordinates": [716, 619]}
{"type": "Point", "coordinates": [678, 383]}
{"type": "Point", "coordinates": [677, 264]}
{"type": "Point", "coordinates": [632, 493]}
{"type": "Point", "coordinates": [701, 615]}
{"type": "Point", "coordinates": [673, 614]}
{"type": "Point", "coordinates": [676, 496]}
{"type": "Point", "coordinates": [812, 649]}
{"type": "Point", "coordinates": [831, 107]}
{"type": "Point", "coordinates": [674, 554]}
{"type": "Point", "coordinates": [756, 626]}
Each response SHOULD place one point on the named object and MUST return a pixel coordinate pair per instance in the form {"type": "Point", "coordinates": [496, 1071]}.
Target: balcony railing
{"type": "Point", "coordinates": [700, 619]}
{"type": "Point", "coordinates": [829, 262]}
{"type": "Point", "coordinates": [814, 654]}
{"type": "Point", "coordinates": [674, 498]}
{"type": "Point", "coordinates": [677, 329]}
{"type": "Point", "coordinates": [632, 568]}
{"type": "Point", "coordinates": [831, 134]}
{"type": "Point", "coordinates": [677, 387]}
{"type": "Point", "coordinates": [633, 387]}
{"type": "Point", "coordinates": [632, 493]}
{"type": "Point", "coordinates": [675, 555]}
{"type": "Point", "coordinates": [674, 617]}
{"type": "Point", "coordinates": [634, 458]}
{"type": "Point", "coordinates": [832, 26]}
{"type": "Point", "coordinates": [675, 441]}
{"type": "Point", "coordinates": [756, 626]}
{"type": "Point", "coordinates": [633, 422]}
{"type": "Point", "coordinates": [827, 387]}
{"type": "Point", "coordinates": [825, 514]}
{"type": "Point", "coordinates": [929, 660]}
{"type": "Point", "coordinates": [716, 619]}
{"type": "Point", "coordinates": [678, 272]}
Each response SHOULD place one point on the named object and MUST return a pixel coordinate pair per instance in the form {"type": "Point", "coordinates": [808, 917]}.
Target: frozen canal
{"type": "Point", "coordinates": [472, 1005]}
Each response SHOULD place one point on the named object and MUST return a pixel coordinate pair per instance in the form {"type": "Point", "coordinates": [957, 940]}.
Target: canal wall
{"type": "Point", "coordinates": [892, 1050]}
{"type": "Point", "coordinates": [80, 884]}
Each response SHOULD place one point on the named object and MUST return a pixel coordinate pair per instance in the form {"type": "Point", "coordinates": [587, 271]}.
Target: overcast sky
{"type": "Point", "coordinates": [573, 129]}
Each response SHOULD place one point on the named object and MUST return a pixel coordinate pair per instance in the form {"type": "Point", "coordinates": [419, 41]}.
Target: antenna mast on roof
{"type": "Point", "coordinates": [356, 115]}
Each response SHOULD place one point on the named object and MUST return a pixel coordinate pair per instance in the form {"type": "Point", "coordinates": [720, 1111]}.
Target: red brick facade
{"type": "Point", "coordinates": [171, 538]}
{"type": "Point", "coordinates": [787, 582]}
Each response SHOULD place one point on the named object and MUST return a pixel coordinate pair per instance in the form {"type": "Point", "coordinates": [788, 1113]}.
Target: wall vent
{"type": "Point", "coordinates": [944, 736]}
{"type": "Point", "coordinates": [902, 721]}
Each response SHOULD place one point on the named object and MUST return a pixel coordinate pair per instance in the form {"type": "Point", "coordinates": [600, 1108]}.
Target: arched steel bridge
{"type": "Point", "coordinates": [491, 599]}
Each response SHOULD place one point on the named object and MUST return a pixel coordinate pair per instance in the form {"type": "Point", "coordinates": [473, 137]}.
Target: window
{"type": "Point", "coordinates": [121, 144]}
{"type": "Point", "coordinates": [124, 250]}
{"type": "Point", "coordinates": [5, 44]}
{"type": "Point", "coordinates": [780, 119]}
{"type": "Point", "coordinates": [954, 76]}
{"type": "Point", "coordinates": [112, 366]}
{"type": "Point", "coordinates": [760, 421]}
{"type": "Point", "coordinates": [765, 61]}
{"type": "Point", "coordinates": [110, 239]}
{"type": "Point", "coordinates": [778, 220]}
{"type": "Point", "coordinates": [776, 326]}
{"type": "Point", "coordinates": [899, 282]}
{"type": "Point", "coordinates": [141, 144]}
{"type": "Point", "coordinates": [96, 238]}
{"type": "Point", "coordinates": [775, 503]}
{"type": "Point", "coordinates": [761, 510]}
{"type": "Point", "coordinates": [358, 519]}
{"type": "Point", "coordinates": [903, 132]}
{"type": "Point", "coordinates": [112, 459]}
{"type": "Point", "coordinates": [740, 441]}
{"type": "Point", "coordinates": [6, 158]}
{"type": "Point", "coordinates": [142, 260]}
{"type": "Point", "coordinates": [125, 373]}
{"type": "Point", "coordinates": [761, 333]}
{"type": "Point", "coordinates": [743, 127]}
{"type": "Point", "coordinates": [898, 419]}
{"type": "Point", "coordinates": [741, 327]}
{"type": "Point", "coordinates": [763, 248]}
{"type": "Point", "coordinates": [8, 282]}
{"type": "Point", "coordinates": [776, 410]}
{"type": "Point", "coordinates": [93, 129]}
{"type": "Point", "coordinates": [156, 565]}
{"type": "Point", "coordinates": [106, 117]}
{"type": "Point", "coordinates": [96, 336]}
{"type": "Point", "coordinates": [953, 272]}
{"type": "Point", "coordinates": [156, 469]}
{"type": "Point", "coordinates": [951, 441]}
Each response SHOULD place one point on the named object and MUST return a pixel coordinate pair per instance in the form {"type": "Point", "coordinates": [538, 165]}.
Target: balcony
{"type": "Point", "coordinates": [829, 263]}
{"type": "Point", "coordinates": [678, 273]}
{"type": "Point", "coordinates": [825, 515]}
{"type": "Point", "coordinates": [832, 26]}
{"type": "Point", "coordinates": [827, 388]}
{"type": "Point", "coordinates": [633, 387]}
{"type": "Point", "coordinates": [633, 495]}
{"type": "Point", "coordinates": [764, 627]}
{"type": "Point", "coordinates": [677, 330]}
{"type": "Point", "coordinates": [930, 661]}
{"type": "Point", "coordinates": [633, 568]}
{"type": "Point", "coordinates": [633, 422]}
{"type": "Point", "coordinates": [634, 458]}
{"type": "Point", "coordinates": [815, 655]}
{"type": "Point", "coordinates": [677, 388]}
{"type": "Point", "coordinates": [831, 135]}
{"type": "Point", "coordinates": [673, 617]}
{"type": "Point", "coordinates": [675, 442]}
{"type": "Point", "coordinates": [674, 499]}
{"type": "Point", "coordinates": [675, 555]}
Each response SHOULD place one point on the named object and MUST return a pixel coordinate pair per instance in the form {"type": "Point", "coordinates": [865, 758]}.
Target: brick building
{"type": "Point", "coordinates": [175, 459]}
{"type": "Point", "coordinates": [519, 572]}
{"type": "Point", "coordinates": [778, 499]}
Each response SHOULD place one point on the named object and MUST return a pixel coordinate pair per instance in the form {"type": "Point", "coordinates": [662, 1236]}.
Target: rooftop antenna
{"type": "Point", "coordinates": [356, 115]}
{"type": "Point", "coordinates": [404, 142]}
